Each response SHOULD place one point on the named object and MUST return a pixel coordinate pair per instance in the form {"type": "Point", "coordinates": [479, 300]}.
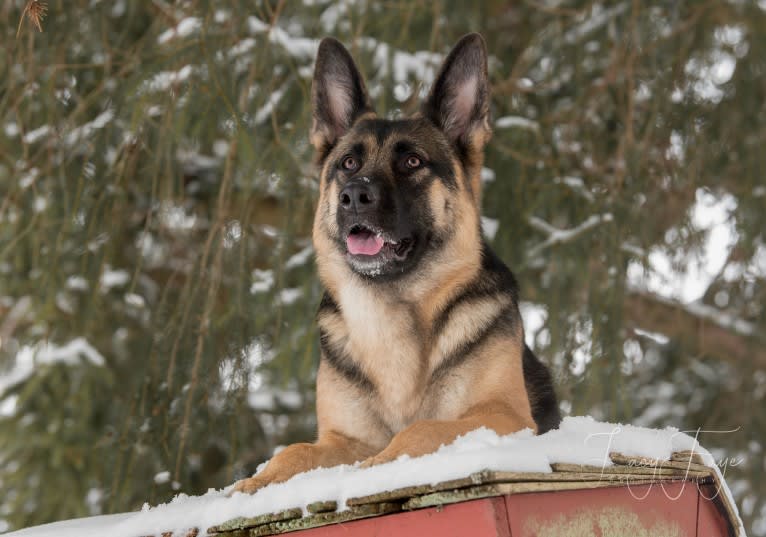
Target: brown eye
{"type": "Point", "coordinates": [413, 161]}
{"type": "Point", "coordinates": [349, 163]}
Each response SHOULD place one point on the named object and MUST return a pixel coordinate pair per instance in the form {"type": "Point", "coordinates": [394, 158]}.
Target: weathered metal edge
{"type": "Point", "coordinates": [623, 465]}
{"type": "Point", "coordinates": [723, 501]}
{"type": "Point", "coordinates": [636, 462]}
{"type": "Point", "coordinates": [501, 489]}
{"type": "Point", "coordinates": [562, 472]}
{"type": "Point", "coordinates": [322, 507]}
{"type": "Point", "coordinates": [478, 478]}
{"type": "Point", "coordinates": [322, 519]}
{"type": "Point", "coordinates": [686, 456]}
{"type": "Point", "coordinates": [248, 522]}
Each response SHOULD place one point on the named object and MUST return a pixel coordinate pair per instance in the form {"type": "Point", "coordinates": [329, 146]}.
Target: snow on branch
{"type": "Point", "coordinates": [596, 19]}
{"type": "Point", "coordinates": [422, 64]}
{"type": "Point", "coordinates": [78, 134]}
{"type": "Point", "coordinates": [576, 185]}
{"type": "Point", "coordinates": [264, 112]}
{"type": "Point", "coordinates": [560, 236]}
{"type": "Point", "coordinates": [29, 357]}
{"type": "Point", "coordinates": [722, 319]}
{"type": "Point", "coordinates": [701, 328]}
{"type": "Point", "coordinates": [507, 122]}
{"type": "Point", "coordinates": [185, 28]}
{"type": "Point", "coordinates": [633, 250]}
{"type": "Point", "coordinates": [300, 48]}
{"type": "Point", "coordinates": [13, 317]}
{"type": "Point", "coordinates": [702, 311]}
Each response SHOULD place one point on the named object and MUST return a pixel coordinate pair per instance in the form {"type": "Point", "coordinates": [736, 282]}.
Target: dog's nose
{"type": "Point", "coordinates": [359, 195]}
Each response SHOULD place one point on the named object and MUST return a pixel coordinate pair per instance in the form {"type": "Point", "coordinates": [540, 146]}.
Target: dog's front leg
{"type": "Point", "coordinates": [331, 449]}
{"type": "Point", "coordinates": [426, 436]}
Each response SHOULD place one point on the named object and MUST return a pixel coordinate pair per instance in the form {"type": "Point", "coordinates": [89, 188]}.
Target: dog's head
{"type": "Point", "coordinates": [395, 194]}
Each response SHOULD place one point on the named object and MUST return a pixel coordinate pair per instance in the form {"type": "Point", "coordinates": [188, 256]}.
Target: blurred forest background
{"type": "Point", "coordinates": [157, 287]}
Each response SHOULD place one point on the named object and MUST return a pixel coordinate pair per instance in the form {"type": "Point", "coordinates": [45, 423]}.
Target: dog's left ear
{"type": "Point", "coordinates": [338, 95]}
{"type": "Point", "coordinates": [459, 99]}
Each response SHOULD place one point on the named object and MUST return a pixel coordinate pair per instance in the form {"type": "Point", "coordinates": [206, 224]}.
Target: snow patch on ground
{"type": "Point", "coordinates": [579, 440]}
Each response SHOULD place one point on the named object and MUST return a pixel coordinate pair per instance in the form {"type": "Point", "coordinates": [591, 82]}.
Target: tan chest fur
{"type": "Point", "coordinates": [383, 341]}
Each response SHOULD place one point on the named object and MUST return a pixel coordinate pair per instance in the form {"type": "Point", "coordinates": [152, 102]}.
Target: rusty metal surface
{"type": "Point", "coordinates": [649, 510]}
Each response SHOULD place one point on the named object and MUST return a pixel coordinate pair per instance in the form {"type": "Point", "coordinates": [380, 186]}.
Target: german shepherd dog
{"type": "Point", "coordinates": [420, 331]}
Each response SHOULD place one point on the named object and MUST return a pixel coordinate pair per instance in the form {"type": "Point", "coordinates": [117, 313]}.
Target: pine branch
{"type": "Point", "coordinates": [35, 11]}
{"type": "Point", "coordinates": [560, 236]}
{"type": "Point", "coordinates": [701, 328]}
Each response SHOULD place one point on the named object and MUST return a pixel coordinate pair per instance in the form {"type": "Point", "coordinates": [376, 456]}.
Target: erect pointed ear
{"type": "Point", "coordinates": [338, 95]}
{"type": "Point", "coordinates": [459, 99]}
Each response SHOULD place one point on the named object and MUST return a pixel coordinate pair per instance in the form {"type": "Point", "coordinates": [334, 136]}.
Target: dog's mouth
{"type": "Point", "coordinates": [365, 242]}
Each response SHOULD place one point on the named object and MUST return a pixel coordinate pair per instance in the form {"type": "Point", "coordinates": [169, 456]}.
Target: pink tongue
{"type": "Point", "coordinates": [364, 243]}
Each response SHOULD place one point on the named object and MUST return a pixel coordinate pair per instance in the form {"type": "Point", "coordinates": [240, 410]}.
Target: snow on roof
{"type": "Point", "coordinates": [579, 440]}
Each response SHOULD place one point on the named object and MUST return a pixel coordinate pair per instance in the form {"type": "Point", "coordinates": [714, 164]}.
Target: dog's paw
{"type": "Point", "coordinates": [381, 458]}
{"type": "Point", "coordinates": [249, 485]}
{"type": "Point", "coordinates": [371, 461]}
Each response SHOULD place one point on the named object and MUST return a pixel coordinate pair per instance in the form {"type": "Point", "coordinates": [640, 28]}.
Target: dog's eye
{"type": "Point", "coordinates": [349, 163]}
{"type": "Point", "coordinates": [413, 161]}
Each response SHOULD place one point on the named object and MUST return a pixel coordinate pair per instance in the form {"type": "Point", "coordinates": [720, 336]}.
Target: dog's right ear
{"type": "Point", "coordinates": [338, 95]}
{"type": "Point", "coordinates": [459, 99]}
